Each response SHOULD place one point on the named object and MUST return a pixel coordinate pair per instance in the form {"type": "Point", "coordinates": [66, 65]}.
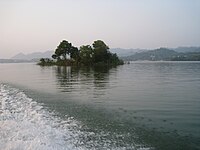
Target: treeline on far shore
{"type": "Point", "coordinates": [96, 55]}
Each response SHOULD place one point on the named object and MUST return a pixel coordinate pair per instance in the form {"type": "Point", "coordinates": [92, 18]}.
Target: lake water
{"type": "Point", "coordinates": [140, 106]}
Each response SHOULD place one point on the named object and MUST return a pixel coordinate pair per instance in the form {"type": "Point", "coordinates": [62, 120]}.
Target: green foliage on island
{"type": "Point", "coordinates": [164, 54]}
{"type": "Point", "coordinates": [96, 55]}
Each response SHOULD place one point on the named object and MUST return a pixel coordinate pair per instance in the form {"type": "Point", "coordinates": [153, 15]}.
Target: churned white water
{"type": "Point", "coordinates": [25, 125]}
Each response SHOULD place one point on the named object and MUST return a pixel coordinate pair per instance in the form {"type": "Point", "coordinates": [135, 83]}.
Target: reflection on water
{"type": "Point", "coordinates": [77, 80]}
{"type": "Point", "coordinates": [66, 78]}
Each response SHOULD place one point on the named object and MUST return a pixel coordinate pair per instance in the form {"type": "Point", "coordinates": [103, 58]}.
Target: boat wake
{"type": "Point", "coordinates": [27, 125]}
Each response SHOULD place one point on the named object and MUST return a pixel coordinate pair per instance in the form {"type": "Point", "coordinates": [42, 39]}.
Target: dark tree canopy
{"type": "Point", "coordinates": [63, 49]}
{"type": "Point", "coordinates": [86, 54]}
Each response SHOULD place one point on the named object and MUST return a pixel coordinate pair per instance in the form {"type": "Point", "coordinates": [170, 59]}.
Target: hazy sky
{"type": "Point", "coordinates": [39, 25]}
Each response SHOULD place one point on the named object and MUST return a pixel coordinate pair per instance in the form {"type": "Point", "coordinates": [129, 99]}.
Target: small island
{"type": "Point", "coordinates": [96, 55]}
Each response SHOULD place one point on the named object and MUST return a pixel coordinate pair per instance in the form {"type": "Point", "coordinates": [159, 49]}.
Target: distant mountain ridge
{"type": "Point", "coordinates": [16, 61]}
{"type": "Point", "coordinates": [124, 53]}
{"type": "Point", "coordinates": [158, 54]}
{"type": "Point", "coordinates": [35, 55]}
{"type": "Point", "coordinates": [186, 49]}
{"type": "Point", "coordinates": [128, 52]}
{"type": "Point", "coordinates": [164, 54]}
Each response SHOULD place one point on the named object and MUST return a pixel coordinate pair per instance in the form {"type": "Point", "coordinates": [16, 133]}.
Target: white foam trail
{"type": "Point", "coordinates": [25, 125]}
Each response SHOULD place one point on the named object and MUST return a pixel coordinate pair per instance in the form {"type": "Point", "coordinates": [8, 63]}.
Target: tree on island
{"type": "Point", "coordinates": [96, 55]}
{"type": "Point", "coordinates": [101, 53]}
{"type": "Point", "coordinates": [63, 49]}
{"type": "Point", "coordinates": [86, 54]}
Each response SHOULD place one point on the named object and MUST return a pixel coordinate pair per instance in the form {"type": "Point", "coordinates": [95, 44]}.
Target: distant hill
{"type": "Point", "coordinates": [128, 52]}
{"type": "Point", "coordinates": [37, 55]}
{"type": "Point", "coordinates": [125, 52]}
{"type": "Point", "coordinates": [186, 49]}
{"type": "Point", "coordinates": [33, 56]}
{"type": "Point", "coordinates": [188, 56]}
{"type": "Point", "coordinates": [164, 54]}
{"type": "Point", "coordinates": [153, 55]}
{"type": "Point", "coordinates": [15, 61]}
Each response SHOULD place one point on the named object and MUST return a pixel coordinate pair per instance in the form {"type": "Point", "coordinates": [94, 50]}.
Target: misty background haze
{"type": "Point", "coordinates": [39, 25]}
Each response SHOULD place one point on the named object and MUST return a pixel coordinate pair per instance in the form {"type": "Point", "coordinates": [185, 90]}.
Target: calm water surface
{"type": "Point", "coordinates": [143, 105]}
